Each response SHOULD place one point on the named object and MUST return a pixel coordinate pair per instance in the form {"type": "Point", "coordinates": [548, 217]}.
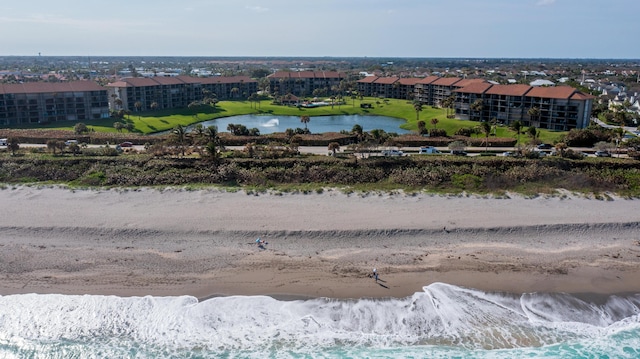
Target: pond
{"type": "Point", "coordinates": [317, 124]}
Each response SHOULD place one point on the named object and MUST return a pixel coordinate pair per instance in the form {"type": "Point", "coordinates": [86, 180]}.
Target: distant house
{"type": "Point", "coordinates": [45, 102]}
{"type": "Point", "coordinates": [541, 82]}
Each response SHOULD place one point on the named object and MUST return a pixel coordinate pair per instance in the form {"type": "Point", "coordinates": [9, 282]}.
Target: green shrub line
{"type": "Point", "coordinates": [313, 174]}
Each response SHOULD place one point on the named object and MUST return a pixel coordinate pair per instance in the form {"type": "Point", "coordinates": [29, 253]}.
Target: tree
{"type": "Point", "coordinates": [118, 103]}
{"type": "Point", "coordinates": [180, 134]}
{"type": "Point", "coordinates": [434, 122]}
{"type": "Point", "coordinates": [305, 119]}
{"type": "Point", "coordinates": [334, 147]}
{"type": "Point", "coordinates": [52, 146]}
{"type": "Point", "coordinates": [153, 106]}
{"type": "Point", "coordinates": [118, 126]}
{"type": "Point", "coordinates": [358, 132]}
{"type": "Point", "coordinates": [561, 147]}
{"type": "Point", "coordinates": [422, 127]}
{"type": "Point", "coordinates": [417, 106]}
{"type": "Point", "coordinates": [477, 106]}
{"type": "Point", "coordinates": [137, 105]}
{"type": "Point", "coordinates": [74, 148]}
{"type": "Point", "coordinates": [486, 129]}
{"type": "Point", "coordinates": [603, 146]}
{"type": "Point", "coordinates": [80, 128]}
{"type": "Point", "coordinates": [457, 146]}
{"type": "Point", "coordinates": [534, 113]}
{"type": "Point", "coordinates": [13, 145]}
{"type": "Point", "coordinates": [517, 127]}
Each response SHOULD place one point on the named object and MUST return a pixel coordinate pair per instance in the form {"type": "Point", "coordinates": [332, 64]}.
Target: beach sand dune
{"type": "Point", "coordinates": [202, 243]}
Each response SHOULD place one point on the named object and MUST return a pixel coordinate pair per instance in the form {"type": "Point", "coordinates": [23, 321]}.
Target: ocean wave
{"type": "Point", "coordinates": [441, 319]}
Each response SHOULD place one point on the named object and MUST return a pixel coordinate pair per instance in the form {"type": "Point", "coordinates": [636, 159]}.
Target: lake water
{"type": "Point", "coordinates": [318, 124]}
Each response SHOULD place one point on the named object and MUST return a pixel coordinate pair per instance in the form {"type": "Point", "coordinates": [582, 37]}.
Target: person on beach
{"type": "Point", "coordinates": [261, 244]}
{"type": "Point", "coordinates": [375, 274]}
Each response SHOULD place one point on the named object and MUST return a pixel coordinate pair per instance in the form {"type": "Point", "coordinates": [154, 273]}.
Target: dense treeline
{"type": "Point", "coordinates": [438, 174]}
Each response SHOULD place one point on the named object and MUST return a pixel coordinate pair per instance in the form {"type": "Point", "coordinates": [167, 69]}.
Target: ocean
{"type": "Point", "coordinates": [443, 321]}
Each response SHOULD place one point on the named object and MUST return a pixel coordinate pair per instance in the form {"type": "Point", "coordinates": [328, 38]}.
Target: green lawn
{"type": "Point", "coordinates": [157, 121]}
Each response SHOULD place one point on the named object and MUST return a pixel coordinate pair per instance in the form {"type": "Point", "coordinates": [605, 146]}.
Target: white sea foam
{"type": "Point", "coordinates": [442, 316]}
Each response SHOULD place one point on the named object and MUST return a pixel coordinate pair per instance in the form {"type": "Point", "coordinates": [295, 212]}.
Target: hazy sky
{"type": "Point", "coordinates": [373, 28]}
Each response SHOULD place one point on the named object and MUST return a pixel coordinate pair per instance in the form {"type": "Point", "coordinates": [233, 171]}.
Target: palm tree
{"type": "Point", "coordinates": [118, 103]}
{"type": "Point", "coordinates": [358, 131]}
{"type": "Point", "coordinates": [334, 147]}
{"type": "Point", "coordinates": [153, 106]}
{"type": "Point", "coordinates": [417, 106]}
{"type": "Point", "coordinates": [486, 129]}
{"type": "Point", "coordinates": [305, 119]}
{"type": "Point", "coordinates": [534, 113]}
{"type": "Point", "coordinates": [13, 144]}
{"type": "Point", "coordinates": [517, 127]}
{"type": "Point", "coordinates": [180, 134]}
{"type": "Point", "coordinates": [477, 106]}
{"type": "Point", "coordinates": [434, 122]}
{"type": "Point", "coordinates": [422, 127]}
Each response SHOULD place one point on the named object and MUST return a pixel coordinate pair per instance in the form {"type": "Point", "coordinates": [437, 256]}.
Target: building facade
{"type": "Point", "coordinates": [304, 83]}
{"type": "Point", "coordinates": [46, 102]}
{"type": "Point", "coordinates": [559, 108]}
{"type": "Point", "coordinates": [176, 92]}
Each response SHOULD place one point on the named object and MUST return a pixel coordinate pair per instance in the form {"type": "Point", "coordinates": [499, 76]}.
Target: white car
{"type": "Point", "coordinates": [3, 142]}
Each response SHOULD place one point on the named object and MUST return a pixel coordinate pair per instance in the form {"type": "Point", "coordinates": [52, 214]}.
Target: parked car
{"type": "Point", "coordinates": [70, 142]}
{"type": "Point", "coordinates": [430, 150]}
{"type": "Point", "coordinates": [507, 154]}
{"type": "Point", "coordinates": [3, 142]}
{"type": "Point", "coordinates": [458, 153]}
{"type": "Point", "coordinates": [388, 153]}
{"type": "Point", "coordinates": [126, 144]}
{"type": "Point", "coordinates": [544, 146]}
{"type": "Point", "coordinates": [603, 154]}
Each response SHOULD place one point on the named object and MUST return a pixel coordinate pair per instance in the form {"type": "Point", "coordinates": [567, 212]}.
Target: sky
{"type": "Point", "coordinates": [322, 28]}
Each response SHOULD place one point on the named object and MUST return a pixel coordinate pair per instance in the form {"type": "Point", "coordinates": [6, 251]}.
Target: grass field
{"type": "Point", "coordinates": [157, 121]}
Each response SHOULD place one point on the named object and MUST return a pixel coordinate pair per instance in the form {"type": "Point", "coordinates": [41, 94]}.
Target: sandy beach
{"type": "Point", "coordinates": [202, 243]}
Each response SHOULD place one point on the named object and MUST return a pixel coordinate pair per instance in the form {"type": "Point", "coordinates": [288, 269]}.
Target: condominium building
{"type": "Point", "coordinates": [46, 102]}
{"type": "Point", "coordinates": [176, 92]}
{"type": "Point", "coordinates": [559, 108]}
{"type": "Point", "coordinates": [304, 83]}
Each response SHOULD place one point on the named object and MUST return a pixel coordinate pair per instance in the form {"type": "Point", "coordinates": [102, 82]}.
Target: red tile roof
{"type": "Point", "coordinates": [467, 82]}
{"type": "Point", "coordinates": [477, 88]}
{"type": "Point", "coordinates": [559, 92]}
{"type": "Point", "coordinates": [179, 80]}
{"type": "Point", "coordinates": [227, 80]}
{"type": "Point", "coordinates": [50, 87]}
{"type": "Point", "coordinates": [428, 80]}
{"type": "Point", "coordinates": [509, 90]}
{"type": "Point", "coordinates": [306, 74]}
{"type": "Point", "coordinates": [582, 96]}
{"type": "Point", "coordinates": [368, 79]}
{"type": "Point", "coordinates": [410, 81]}
{"type": "Point", "coordinates": [386, 80]}
{"type": "Point", "coordinates": [446, 81]}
